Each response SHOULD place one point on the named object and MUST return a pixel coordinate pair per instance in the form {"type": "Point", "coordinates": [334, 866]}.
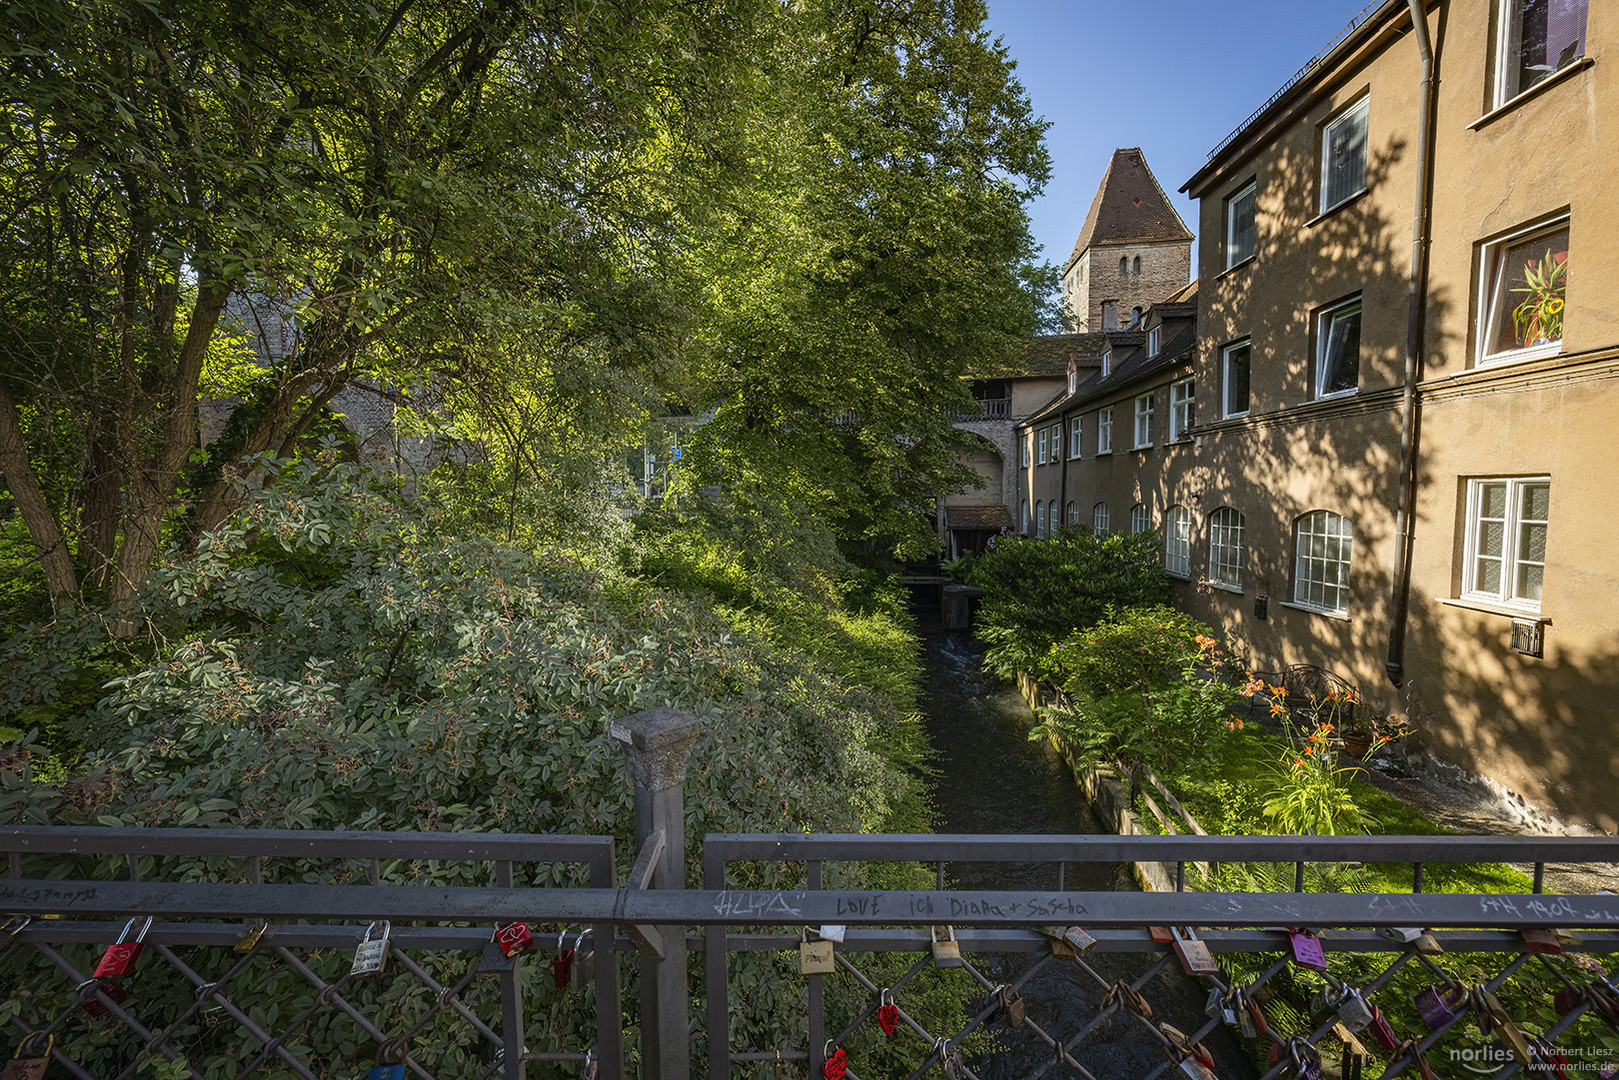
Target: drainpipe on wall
{"type": "Point", "coordinates": [1062, 478]}
{"type": "Point", "coordinates": [1406, 505]}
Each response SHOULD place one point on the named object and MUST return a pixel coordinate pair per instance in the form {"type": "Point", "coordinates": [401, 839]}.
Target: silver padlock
{"type": "Point", "coordinates": [583, 972]}
{"type": "Point", "coordinates": [1353, 1010]}
{"type": "Point", "coordinates": [373, 951]}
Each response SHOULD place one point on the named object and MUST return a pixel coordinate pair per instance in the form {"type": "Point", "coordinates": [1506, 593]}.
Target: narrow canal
{"type": "Point", "coordinates": [992, 779]}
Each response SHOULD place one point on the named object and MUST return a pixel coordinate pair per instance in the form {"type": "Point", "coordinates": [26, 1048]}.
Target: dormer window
{"type": "Point", "coordinates": [1135, 317]}
{"type": "Point", "coordinates": [1073, 380]}
{"type": "Point", "coordinates": [1155, 341]}
{"type": "Point", "coordinates": [1107, 361]}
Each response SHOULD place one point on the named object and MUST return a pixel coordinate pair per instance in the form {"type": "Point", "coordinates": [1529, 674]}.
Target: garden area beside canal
{"type": "Point", "coordinates": [1171, 731]}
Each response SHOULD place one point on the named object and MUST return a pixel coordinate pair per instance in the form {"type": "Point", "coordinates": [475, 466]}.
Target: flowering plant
{"type": "Point", "coordinates": [1310, 793]}
{"type": "Point", "coordinates": [1539, 317]}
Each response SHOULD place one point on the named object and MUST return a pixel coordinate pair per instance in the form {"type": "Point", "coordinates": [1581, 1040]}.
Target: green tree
{"type": "Point", "coordinates": [445, 193]}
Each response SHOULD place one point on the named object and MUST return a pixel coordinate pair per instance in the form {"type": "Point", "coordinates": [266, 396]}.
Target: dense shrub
{"type": "Point", "coordinates": [331, 660]}
{"type": "Point", "coordinates": [1144, 685]}
{"type": "Point", "coordinates": [1040, 591]}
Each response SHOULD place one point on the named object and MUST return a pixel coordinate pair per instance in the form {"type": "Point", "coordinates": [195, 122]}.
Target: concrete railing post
{"type": "Point", "coordinates": [657, 744]}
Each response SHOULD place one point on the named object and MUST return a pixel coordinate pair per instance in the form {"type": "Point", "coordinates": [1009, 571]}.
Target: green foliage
{"type": "Point", "coordinates": [333, 659]}
{"type": "Point", "coordinates": [1041, 591]}
{"type": "Point", "coordinates": [1310, 793]}
{"type": "Point", "coordinates": [1142, 686]}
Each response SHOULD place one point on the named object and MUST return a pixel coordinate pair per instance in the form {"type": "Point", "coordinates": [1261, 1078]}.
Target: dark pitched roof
{"type": "Point", "coordinates": [1186, 294]}
{"type": "Point", "coordinates": [1130, 207]}
{"type": "Point", "coordinates": [1132, 369]}
{"type": "Point", "coordinates": [1044, 354]}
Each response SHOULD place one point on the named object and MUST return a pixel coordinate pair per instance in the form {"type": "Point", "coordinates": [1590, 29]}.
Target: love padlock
{"type": "Point", "coordinates": [1383, 1032]}
{"type": "Point", "coordinates": [119, 959]}
{"type": "Point", "coordinates": [1306, 1059]}
{"type": "Point", "coordinates": [1543, 942]}
{"type": "Point", "coordinates": [815, 957]}
{"type": "Point", "coordinates": [389, 1063]}
{"type": "Point", "coordinates": [950, 1061]}
{"type": "Point", "coordinates": [1437, 1005]}
{"type": "Point", "coordinates": [33, 1056]}
{"type": "Point", "coordinates": [562, 963]}
{"type": "Point", "coordinates": [251, 936]}
{"type": "Point", "coordinates": [946, 952]}
{"type": "Point", "coordinates": [1307, 949]}
{"type": "Point", "coordinates": [1194, 956]}
{"type": "Point", "coordinates": [837, 1064]}
{"type": "Point", "coordinates": [1078, 939]}
{"type": "Point", "coordinates": [1418, 1058]}
{"type": "Point", "coordinates": [1353, 1010]}
{"type": "Point", "coordinates": [1250, 1017]}
{"type": "Point", "coordinates": [372, 952]}
{"type": "Point", "coordinates": [887, 1013]}
{"type": "Point", "coordinates": [1493, 1019]}
{"type": "Point", "coordinates": [114, 993]}
{"type": "Point", "coordinates": [513, 938]}
{"type": "Point", "coordinates": [1011, 1003]}
{"type": "Point", "coordinates": [590, 1065]}
{"type": "Point", "coordinates": [583, 972]}
{"type": "Point", "coordinates": [1548, 1061]}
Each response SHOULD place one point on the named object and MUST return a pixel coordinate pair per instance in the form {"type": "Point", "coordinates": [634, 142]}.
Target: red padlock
{"type": "Point", "coordinates": [562, 965]}
{"type": "Point", "coordinates": [837, 1065]}
{"type": "Point", "coordinates": [119, 959]}
{"type": "Point", "coordinates": [513, 938]}
{"type": "Point", "coordinates": [887, 1014]}
{"type": "Point", "coordinates": [112, 990]}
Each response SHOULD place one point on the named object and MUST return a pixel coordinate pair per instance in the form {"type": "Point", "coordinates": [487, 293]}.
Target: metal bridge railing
{"type": "Point", "coordinates": [460, 1008]}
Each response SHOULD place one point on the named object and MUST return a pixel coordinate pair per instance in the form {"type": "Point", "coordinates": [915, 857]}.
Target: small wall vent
{"type": "Point", "coordinates": [1527, 637]}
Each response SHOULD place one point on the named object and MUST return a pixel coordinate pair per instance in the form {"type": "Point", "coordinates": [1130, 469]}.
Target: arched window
{"type": "Point", "coordinates": [1140, 518]}
{"type": "Point", "coordinates": [1023, 514]}
{"type": "Point", "coordinates": [1056, 516]}
{"type": "Point", "coordinates": [1039, 520]}
{"type": "Point", "coordinates": [1073, 512]}
{"type": "Point", "coordinates": [1136, 266]}
{"type": "Point", "coordinates": [1178, 541]}
{"type": "Point", "coordinates": [1321, 545]}
{"type": "Point", "coordinates": [1225, 548]}
{"type": "Point", "coordinates": [1135, 316]}
{"type": "Point", "coordinates": [1124, 265]}
{"type": "Point", "coordinates": [1099, 519]}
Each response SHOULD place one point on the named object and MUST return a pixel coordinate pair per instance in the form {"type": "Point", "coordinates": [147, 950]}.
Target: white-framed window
{"type": "Point", "coordinates": [1181, 413]}
{"type": "Point", "coordinates": [1321, 547]}
{"type": "Point", "coordinates": [1343, 155]}
{"type": "Point", "coordinates": [1337, 349]}
{"type": "Point", "coordinates": [1523, 279]}
{"type": "Point", "coordinates": [1225, 548]}
{"type": "Point", "coordinates": [1076, 436]}
{"type": "Point", "coordinates": [1073, 380]}
{"type": "Point", "coordinates": [1155, 340]}
{"type": "Point", "coordinates": [1234, 360]}
{"type": "Point", "coordinates": [1110, 314]}
{"type": "Point", "coordinates": [1143, 422]}
{"type": "Point", "coordinates": [1140, 518]}
{"type": "Point", "coordinates": [1056, 441]}
{"type": "Point", "coordinates": [1028, 448]}
{"type": "Point", "coordinates": [1104, 430]}
{"type": "Point", "coordinates": [1239, 224]}
{"type": "Point", "coordinates": [1044, 434]}
{"type": "Point", "coordinates": [1537, 39]}
{"type": "Point", "coordinates": [1023, 515]}
{"type": "Point", "coordinates": [1039, 520]}
{"type": "Point", "coordinates": [1107, 361]}
{"type": "Point", "coordinates": [1505, 560]}
{"type": "Point", "coordinates": [1073, 512]}
{"type": "Point", "coordinates": [1178, 541]}
{"type": "Point", "coordinates": [1099, 519]}
{"type": "Point", "coordinates": [1055, 510]}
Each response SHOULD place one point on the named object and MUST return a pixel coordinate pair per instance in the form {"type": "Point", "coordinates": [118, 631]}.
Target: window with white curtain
{"type": "Point", "coordinates": [1343, 155]}
{"type": "Point", "coordinates": [1178, 541]}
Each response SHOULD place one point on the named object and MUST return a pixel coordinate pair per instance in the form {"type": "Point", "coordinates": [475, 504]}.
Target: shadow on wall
{"type": "Point", "coordinates": [1293, 455]}
{"type": "Point", "coordinates": [1542, 727]}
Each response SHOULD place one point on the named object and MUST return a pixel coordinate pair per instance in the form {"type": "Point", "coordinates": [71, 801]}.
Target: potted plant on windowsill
{"type": "Point", "coordinates": [1538, 319]}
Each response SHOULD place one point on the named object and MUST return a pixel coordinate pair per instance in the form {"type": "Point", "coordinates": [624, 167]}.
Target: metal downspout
{"type": "Point", "coordinates": [1406, 504]}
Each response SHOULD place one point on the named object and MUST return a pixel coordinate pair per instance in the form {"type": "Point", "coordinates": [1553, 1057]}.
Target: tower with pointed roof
{"type": "Point", "coordinates": [1133, 251]}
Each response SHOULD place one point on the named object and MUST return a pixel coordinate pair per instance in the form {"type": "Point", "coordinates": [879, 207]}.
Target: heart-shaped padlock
{"type": "Point", "coordinates": [888, 1014]}
{"type": "Point", "coordinates": [837, 1064]}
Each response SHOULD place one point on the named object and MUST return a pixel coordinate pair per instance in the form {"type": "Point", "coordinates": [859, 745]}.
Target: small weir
{"type": "Point", "coordinates": [991, 779]}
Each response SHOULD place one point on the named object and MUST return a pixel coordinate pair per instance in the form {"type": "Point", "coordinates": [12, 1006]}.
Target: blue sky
{"type": "Point", "coordinates": [1170, 76]}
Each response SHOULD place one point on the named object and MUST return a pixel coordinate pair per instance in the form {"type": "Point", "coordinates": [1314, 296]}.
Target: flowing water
{"type": "Point", "coordinates": [992, 779]}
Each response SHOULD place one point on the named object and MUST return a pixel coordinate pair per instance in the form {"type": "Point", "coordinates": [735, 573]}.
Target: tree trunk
{"type": "Point", "coordinates": [152, 484]}
{"type": "Point", "coordinates": [43, 528]}
{"type": "Point", "coordinates": [98, 519]}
